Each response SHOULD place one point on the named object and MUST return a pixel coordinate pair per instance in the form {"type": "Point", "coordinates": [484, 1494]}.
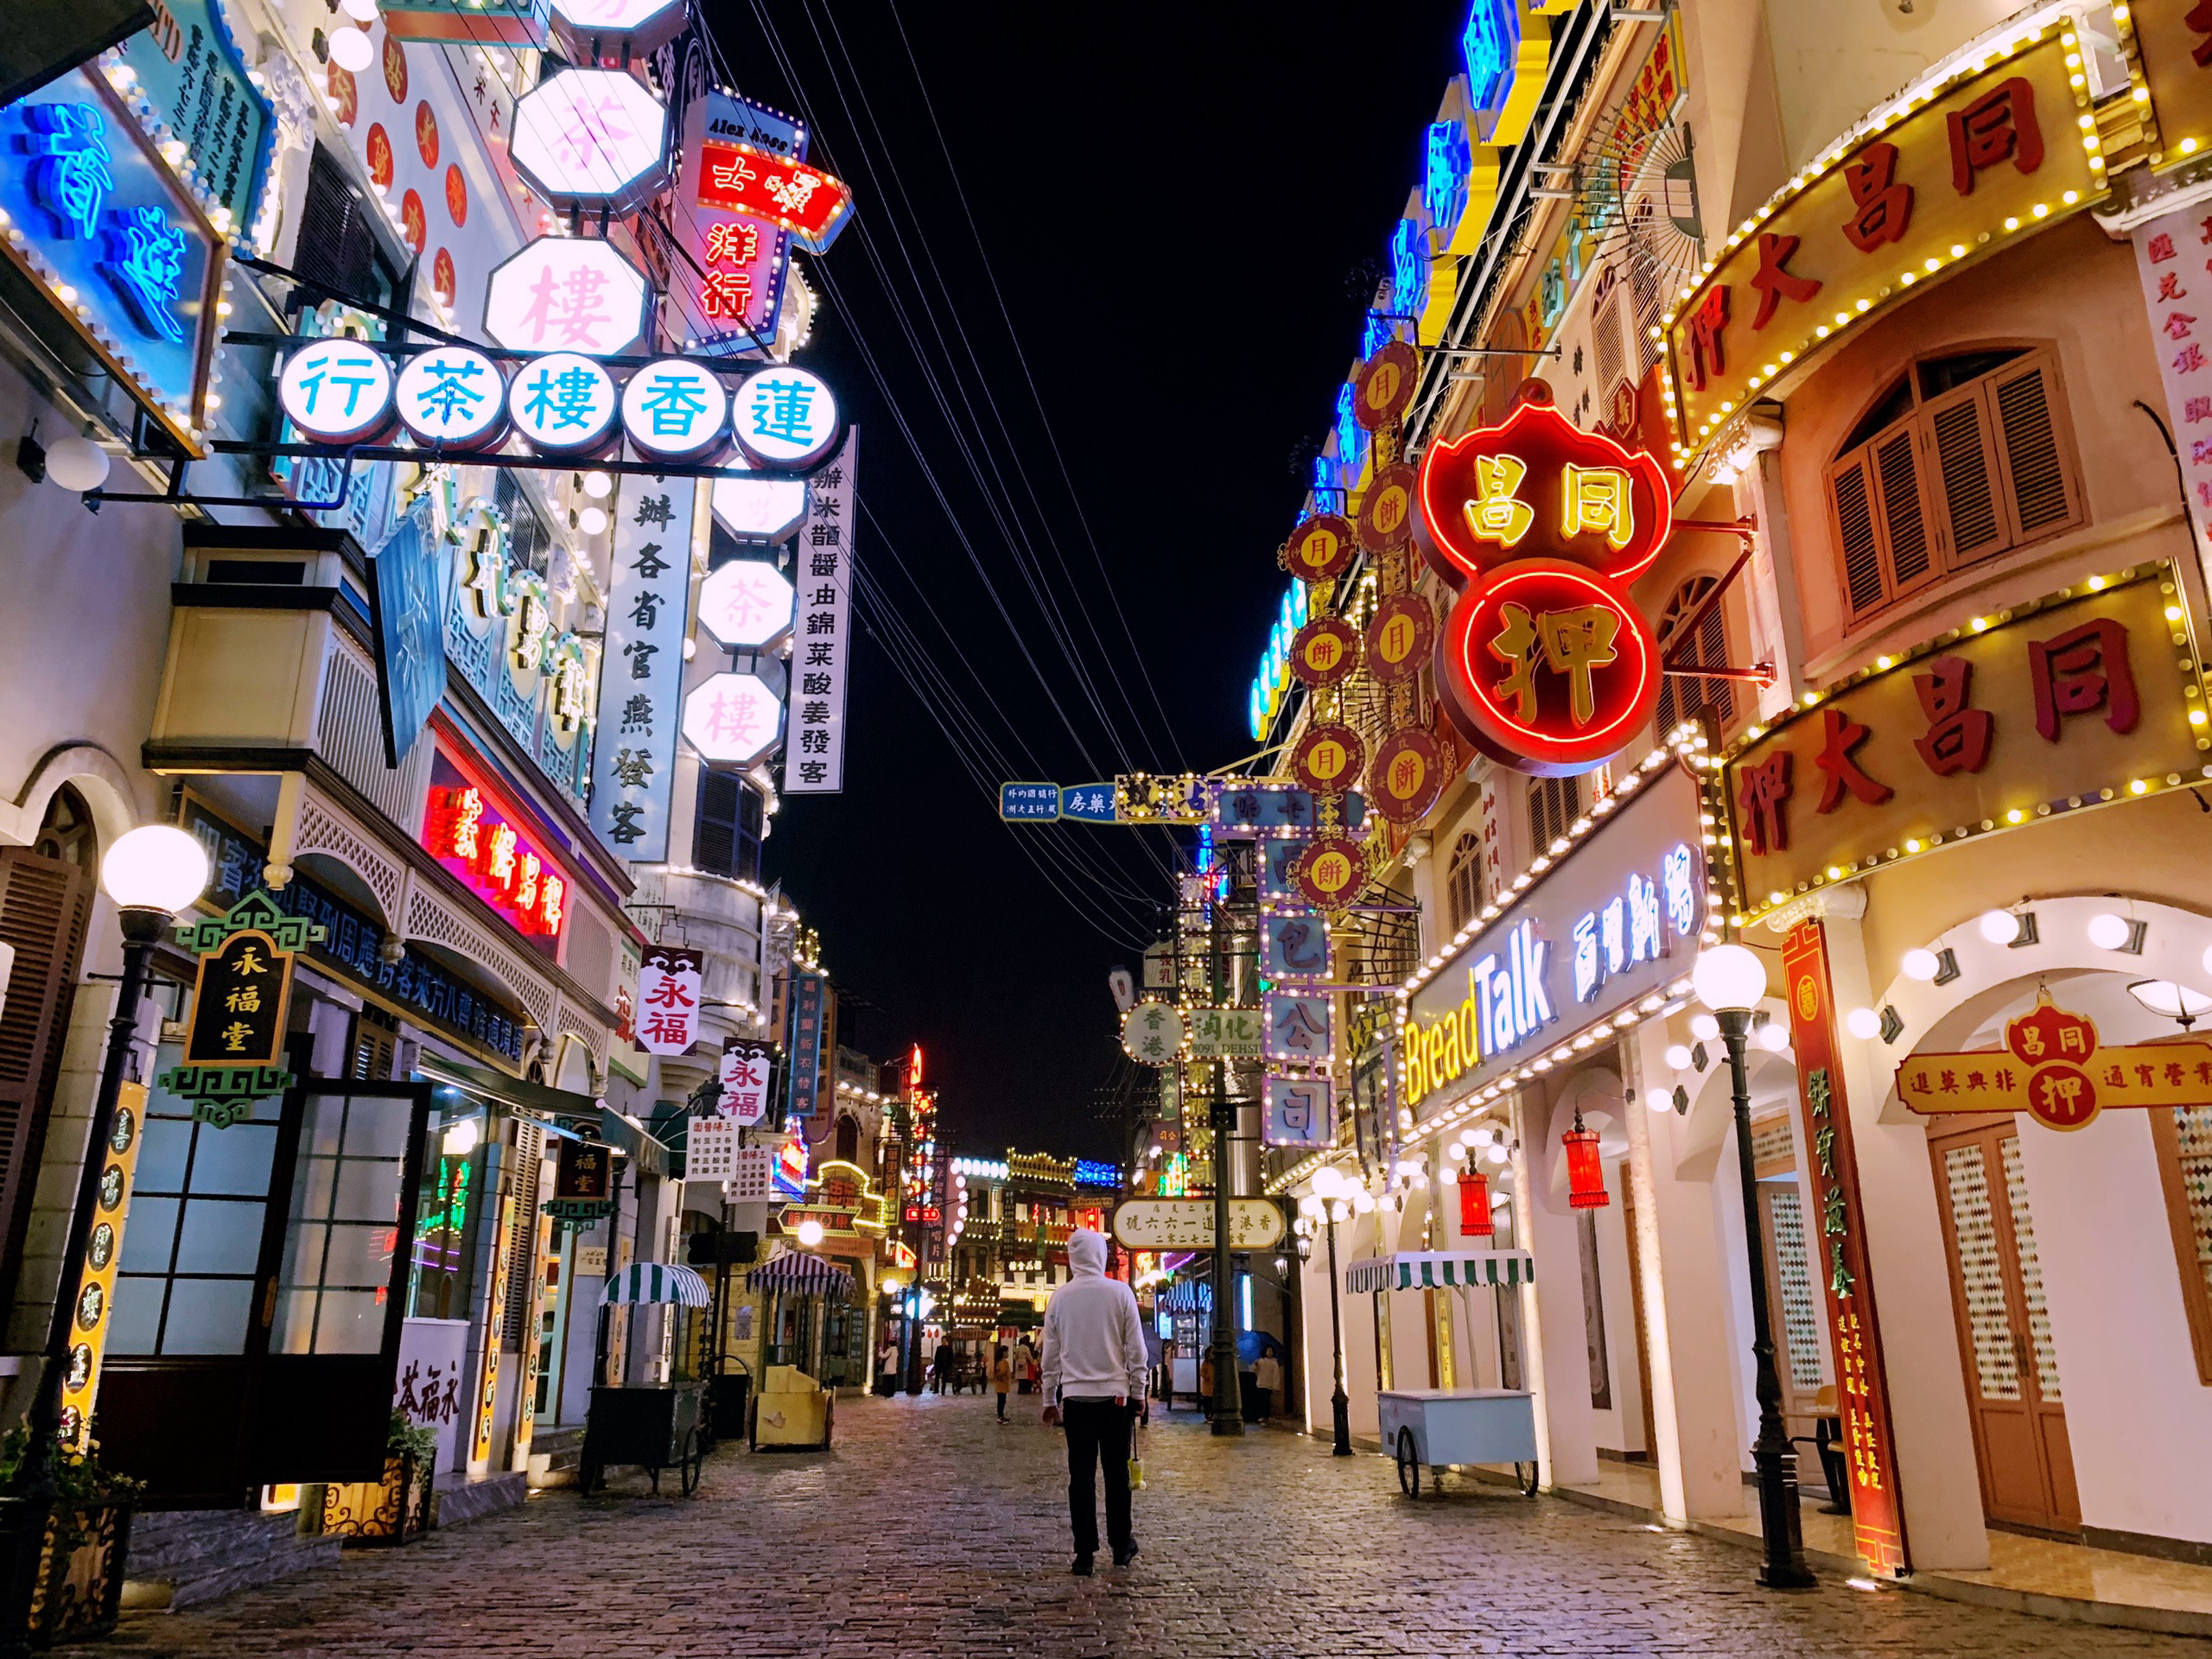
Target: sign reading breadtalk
{"type": "Point", "coordinates": [2053, 1068]}
{"type": "Point", "coordinates": [1610, 926]}
{"type": "Point", "coordinates": [1952, 168]}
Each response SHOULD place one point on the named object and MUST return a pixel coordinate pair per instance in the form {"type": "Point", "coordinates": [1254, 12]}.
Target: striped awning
{"type": "Point", "coordinates": [1187, 1296]}
{"type": "Point", "coordinates": [810, 1275]}
{"type": "Point", "coordinates": [657, 1282]}
{"type": "Point", "coordinates": [1417, 1269]}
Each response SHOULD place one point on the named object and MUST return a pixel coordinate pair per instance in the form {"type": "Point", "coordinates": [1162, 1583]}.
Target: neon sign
{"type": "Point", "coordinates": [1627, 929]}
{"type": "Point", "coordinates": [470, 836]}
{"type": "Point", "coordinates": [1545, 663]}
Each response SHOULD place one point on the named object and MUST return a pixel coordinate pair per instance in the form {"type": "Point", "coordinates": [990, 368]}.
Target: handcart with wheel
{"type": "Point", "coordinates": [654, 1427]}
{"type": "Point", "coordinates": [1434, 1429]}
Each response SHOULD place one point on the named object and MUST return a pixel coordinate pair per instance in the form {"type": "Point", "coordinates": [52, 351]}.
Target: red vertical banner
{"type": "Point", "coordinates": [1840, 1259]}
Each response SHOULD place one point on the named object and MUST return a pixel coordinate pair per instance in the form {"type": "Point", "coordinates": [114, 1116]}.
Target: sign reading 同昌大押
{"type": "Point", "coordinates": [641, 666]}
{"type": "Point", "coordinates": [2053, 1068]}
{"type": "Point", "coordinates": [2088, 696]}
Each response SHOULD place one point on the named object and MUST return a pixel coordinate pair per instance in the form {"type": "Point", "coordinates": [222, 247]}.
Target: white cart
{"type": "Point", "coordinates": [1434, 1429]}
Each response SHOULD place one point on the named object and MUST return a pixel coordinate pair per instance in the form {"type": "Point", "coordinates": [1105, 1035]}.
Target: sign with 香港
{"type": "Point", "coordinates": [641, 666]}
{"type": "Point", "coordinates": [822, 646]}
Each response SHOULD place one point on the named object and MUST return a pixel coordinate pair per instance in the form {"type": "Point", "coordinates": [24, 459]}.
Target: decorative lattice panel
{"type": "Point", "coordinates": [2024, 1234]}
{"type": "Point", "coordinates": [1989, 1322]}
{"type": "Point", "coordinates": [427, 917]}
{"type": "Point", "coordinates": [324, 830]}
{"type": "Point", "coordinates": [1801, 1317]}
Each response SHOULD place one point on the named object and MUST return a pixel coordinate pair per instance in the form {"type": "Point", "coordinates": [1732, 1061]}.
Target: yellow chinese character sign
{"type": "Point", "coordinates": [2053, 1068]}
{"type": "Point", "coordinates": [234, 1043]}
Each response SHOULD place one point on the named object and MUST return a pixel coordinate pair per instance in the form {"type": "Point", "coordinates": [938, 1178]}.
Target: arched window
{"type": "Point", "coordinates": [1463, 879]}
{"type": "Point", "coordinates": [848, 1138]}
{"type": "Point", "coordinates": [1966, 454]}
{"type": "Point", "coordinates": [1554, 804]}
{"type": "Point", "coordinates": [1680, 699]}
{"type": "Point", "coordinates": [66, 832]}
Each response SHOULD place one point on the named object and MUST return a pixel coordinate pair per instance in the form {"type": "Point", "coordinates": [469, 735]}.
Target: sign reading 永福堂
{"type": "Point", "coordinates": [641, 666]}
{"type": "Point", "coordinates": [234, 1042]}
{"type": "Point", "coordinates": [1612, 921]}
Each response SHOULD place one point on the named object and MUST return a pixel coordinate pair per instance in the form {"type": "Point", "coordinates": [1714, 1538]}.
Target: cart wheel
{"type": "Point", "coordinates": [1408, 1464]}
{"type": "Point", "coordinates": [692, 1461]}
{"type": "Point", "coordinates": [1526, 1482]}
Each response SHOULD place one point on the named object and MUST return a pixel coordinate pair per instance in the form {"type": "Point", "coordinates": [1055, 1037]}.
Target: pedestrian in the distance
{"type": "Point", "coordinates": [1094, 1384]}
{"type": "Point", "coordinates": [1001, 1376]}
{"type": "Point", "coordinates": [887, 1369]}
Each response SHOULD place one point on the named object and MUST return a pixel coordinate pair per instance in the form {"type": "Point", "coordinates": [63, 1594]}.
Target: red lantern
{"type": "Point", "coordinates": [1474, 1205]}
{"type": "Point", "coordinates": [1585, 1175]}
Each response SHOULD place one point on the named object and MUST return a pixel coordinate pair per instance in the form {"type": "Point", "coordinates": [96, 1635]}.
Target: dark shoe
{"type": "Point", "coordinates": [1124, 1557]}
{"type": "Point", "coordinates": [1082, 1568]}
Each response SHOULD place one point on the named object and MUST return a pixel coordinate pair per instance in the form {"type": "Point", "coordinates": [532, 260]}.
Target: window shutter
{"type": "Point", "coordinates": [1966, 473]}
{"type": "Point", "coordinates": [43, 905]}
{"type": "Point", "coordinates": [714, 842]}
{"type": "Point", "coordinates": [1904, 514]}
{"type": "Point", "coordinates": [2040, 494]}
{"type": "Point", "coordinates": [1851, 494]}
{"type": "Point", "coordinates": [521, 1243]}
{"type": "Point", "coordinates": [335, 245]}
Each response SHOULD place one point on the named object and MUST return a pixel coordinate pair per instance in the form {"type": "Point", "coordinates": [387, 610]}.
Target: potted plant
{"type": "Point", "coordinates": [88, 1538]}
{"type": "Point", "coordinates": [393, 1510]}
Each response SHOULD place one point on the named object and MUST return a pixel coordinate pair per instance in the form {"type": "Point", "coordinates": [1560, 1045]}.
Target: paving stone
{"type": "Point", "coordinates": [929, 1530]}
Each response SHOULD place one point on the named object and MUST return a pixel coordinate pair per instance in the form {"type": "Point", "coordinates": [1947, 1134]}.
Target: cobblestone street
{"type": "Point", "coordinates": [1263, 1547]}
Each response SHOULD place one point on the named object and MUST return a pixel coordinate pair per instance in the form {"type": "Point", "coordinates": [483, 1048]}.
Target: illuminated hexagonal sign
{"type": "Point", "coordinates": [759, 509]}
{"type": "Point", "coordinates": [603, 29]}
{"type": "Point", "coordinates": [591, 138]}
{"type": "Point", "coordinates": [565, 293]}
{"type": "Point", "coordinates": [747, 604]}
{"type": "Point", "coordinates": [733, 719]}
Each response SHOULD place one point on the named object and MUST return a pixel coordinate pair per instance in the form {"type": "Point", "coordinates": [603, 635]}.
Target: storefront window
{"type": "Point", "coordinates": [437, 1287]}
{"type": "Point", "coordinates": [345, 1225]}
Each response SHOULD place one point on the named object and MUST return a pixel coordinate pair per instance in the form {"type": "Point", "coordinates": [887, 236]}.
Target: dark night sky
{"type": "Point", "coordinates": [1173, 200]}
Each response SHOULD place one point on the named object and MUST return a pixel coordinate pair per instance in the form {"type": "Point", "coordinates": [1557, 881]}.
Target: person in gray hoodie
{"type": "Point", "coordinates": [1094, 1363]}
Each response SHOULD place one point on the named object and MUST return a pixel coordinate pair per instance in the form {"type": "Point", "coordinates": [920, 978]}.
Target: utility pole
{"type": "Point", "coordinates": [1228, 1413]}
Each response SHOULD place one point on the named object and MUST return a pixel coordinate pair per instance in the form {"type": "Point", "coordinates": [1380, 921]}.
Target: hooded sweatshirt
{"type": "Point", "coordinates": [1094, 1336]}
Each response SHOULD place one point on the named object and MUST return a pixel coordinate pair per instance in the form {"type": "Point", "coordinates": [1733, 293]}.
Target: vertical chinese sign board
{"type": "Point", "coordinates": [803, 1043]}
{"type": "Point", "coordinates": [822, 647]}
{"type": "Point", "coordinates": [641, 668]}
{"type": "Point", "coordinates": [234, 1047]}
{"type": "Point", "coordinates": [95, 1301]}
{"type": "Point", "coordinates": [583, 1184]}
{"type": "Point", "coordinates": [2177, 290]}
{"type": "Point", "coordinates": [1854, 1333]}
{"type": "Point", "coordinates": [670, 985]}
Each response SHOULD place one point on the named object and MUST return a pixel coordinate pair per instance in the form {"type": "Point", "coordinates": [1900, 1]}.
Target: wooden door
{"type": "Point", "coordinates": [2013, 1391]}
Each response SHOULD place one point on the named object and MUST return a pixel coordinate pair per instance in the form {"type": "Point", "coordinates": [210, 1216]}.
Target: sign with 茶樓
{"type": "Point", "coordinates": [641, 666]}
{"type": "Point", "coordinates": [747, 1074]}
{"type": "Point", "coordinates": [2088, 696]}
{"type": "Point", "coordinates": [234, 1040]}
{"type": "Point", "coordinates": [98, 222]}
{"type": "Point", "coordinates": [821, 642]}
{"type": "Point", "coordinates": [1187, 1224]}
{"type": "Point", "coordinates": [1615, 920]}
{"type": "Point", "coordinates": [669, 990]}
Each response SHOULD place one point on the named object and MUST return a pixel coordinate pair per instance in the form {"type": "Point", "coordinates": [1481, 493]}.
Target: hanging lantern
{"type": "Point", "coordinates": [1475, 1220]}
{"type": "Point", "coordinates": [1585, 1175]}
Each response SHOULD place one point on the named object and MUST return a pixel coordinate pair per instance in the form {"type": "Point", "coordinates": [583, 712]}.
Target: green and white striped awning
{"type": "Point", "coordinates": [647, 1283]}
{"type": "Point", "coordinates": [1419, 1269]}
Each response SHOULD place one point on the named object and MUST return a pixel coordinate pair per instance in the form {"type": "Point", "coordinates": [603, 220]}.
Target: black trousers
{"type": "Point", "coordinates": [1098, 1432]}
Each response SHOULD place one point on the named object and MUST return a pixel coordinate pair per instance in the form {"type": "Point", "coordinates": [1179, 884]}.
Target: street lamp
{"type": "Point", "coordinates": [1329, 1200]}
{"type": "Point", "coordinates": [1730, 980]}
{"type": "Point", "coordinates": [150, 873]}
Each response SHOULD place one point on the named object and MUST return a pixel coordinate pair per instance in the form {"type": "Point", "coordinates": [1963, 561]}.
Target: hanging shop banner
{"type": "Point", "coordinates": [407, 592]}
{"type": "Point", "coordinates": [187, 67]}
{"type": "Point", "coordinates": [2053, 1068]}
{"type": "Point", "coordinates": [754, 180]}
{"type": "Point", "coordinates": [1990, 150]}
{"type": "Point", "coordinates": [729, 291]}
{"type": "Point", "coordinates": [1187, 1224]}
{"type": "Point", "coordinates": [747, 1078]}
{"type": "Point", "coordinates": [1294, 947]}
{"type": "Point", "coordinates": [1223, 1034]}
{"type": "Point", "coordinates": [583, 1183]}
{"type": "Point", "coordinates": [803, 1042]}
{"type": "Point", "coordinates": [1241, 809]}
{"type": "Point", "coordinates": [1612, 925]}
{"type": "Point", "coordinates": [484, 840]}
{"type": "Point", "coordinates": [2176, 289]}
{"type": "Point", "coordinates": [1841, 1261]}
{"type": "Point", "coordinates": [405, 118]}
{"type": "Point", "coordinates": [234, 1043]}
{"type": "Point", "coordinates": [822, 640]}
{"type": "Point", "coordinates": [641, 665]}
{"type": "Point", "coordinates": [1299, 1113]}
{"type": "Point", "coordinates": [95, 1301]}
{"type": "Point", "coordinates": [1298, 1027]}
{"type": "Point", "coordinates": [1329, 872]}
{"type": "Point", "coordinates": [348, 944]}
{"type": "Point", "coordinates": [98, 222]}
{"type": "Point", "coordinates": [754, 1181]}
{"type": "Point", "coordinates": [1029, 803]}
{"type": "Point", "coordinates": [710, 1149]}
{"type": "Point", "coordinates": [469, 22]}
{"type": "Point", "coordinates": [668, 987]}
{"type": "Point", "coordinates": [787, 1171]}
{"type": "Point", "coordinates": [2084, 697]}
{"type": "Point", "coordinates": [1545, 663]}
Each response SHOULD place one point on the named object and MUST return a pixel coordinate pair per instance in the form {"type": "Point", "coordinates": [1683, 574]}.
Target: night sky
{"type": "Point", "coordinates": [1101, 384]}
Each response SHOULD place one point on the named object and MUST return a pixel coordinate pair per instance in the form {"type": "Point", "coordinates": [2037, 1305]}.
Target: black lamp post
{"type": "Point", "coordinates": [1730, 980]}
{"type": "Point", "coordinates": [1339, 1403]}
{"type": "Point", "coordinates": [150, 873]}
